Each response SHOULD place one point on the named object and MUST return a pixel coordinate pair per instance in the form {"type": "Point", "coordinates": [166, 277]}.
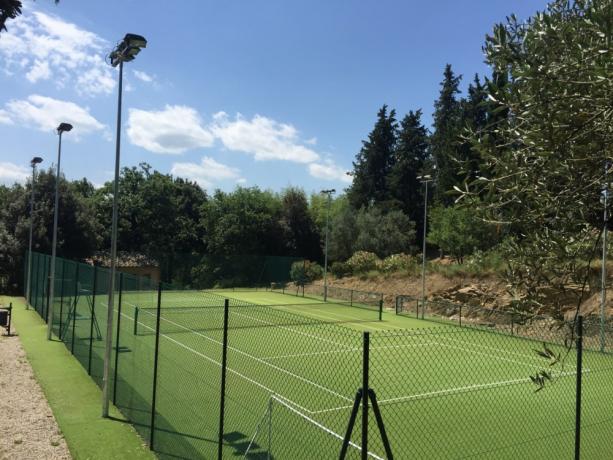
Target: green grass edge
{"type": "Point", "coordinates": [76, 401]}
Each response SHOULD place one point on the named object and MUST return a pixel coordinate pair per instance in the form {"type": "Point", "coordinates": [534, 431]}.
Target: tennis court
{"type": "Point", "coordinates": [294, 365]}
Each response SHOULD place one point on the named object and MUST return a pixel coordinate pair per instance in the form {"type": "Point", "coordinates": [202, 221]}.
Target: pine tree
{"type": "Point", "coordinates": [474, 119]}
{"type": "Point", "coordinates": [374, 163]}
{"type": "Point", "coordinates": [411, 154]}
{"type": "Point", "coordinates": [445, 140]}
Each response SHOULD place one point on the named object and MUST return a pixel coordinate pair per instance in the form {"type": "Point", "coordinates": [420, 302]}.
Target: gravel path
{"type": "Point", "coordinates": [28, 429]}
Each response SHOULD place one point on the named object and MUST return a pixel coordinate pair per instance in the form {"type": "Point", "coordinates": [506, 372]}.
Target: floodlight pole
{"type": "Point", "coordinates": [34, 162]}
{"type": "Point", "coordinates": [329, 193]}
{"type": "Point", "coordinates": [63, 127]}
{"type": "Point", "coordinates": [126, 50]}
{"type": "Point", "coordinates": [423, 251]}
{"type": "Point", "coordinates": [111, 296]}
{"type": "Point", "coordinates": [603, 273]}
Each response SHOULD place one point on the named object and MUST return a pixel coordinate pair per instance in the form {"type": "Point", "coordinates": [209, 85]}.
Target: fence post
{"type": "Point", "coordinates": [117, 338]}
{"type": "Point", "coordinates": [224, 361]}
{"type": "Point", "coordinates": [45, 307]}
{"type": "Point", "coordinates": [8, 327]}
{"type": "Point", "coordinates": [578, 387]}
{"type": "Point", "coordinates": [91, 320]}
{"type": "Point", "coordinates": [351, 298]}
{"type": "Point", "coordinates": [62, 297]}
{"type": "Point", "coordinates": [74, 307]}
{"type": "Point", "coordinates": [512, 323]}
{"type": "Point", "coordinates": [365, 369]}
{"type": "Point", "coordinates": [381, 310]}
{"type": "Point", "coordinates": [155, 365]}
{"type": "Point", "coordinates": [460, 315]}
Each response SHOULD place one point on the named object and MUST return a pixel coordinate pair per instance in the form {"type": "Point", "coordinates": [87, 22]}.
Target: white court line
{"type": "Point", "coordinates": [217, 363]}
{"type": "Point", "coordinates": [494, 348]}
{"type": "Point", "coordinates": [322, 427]}
{"type": "Point", "coordinates": [349, 350]}
{"type": "Point", "coordinates": [280, 369]}
{"type": "Point", "coordinates": [453, 391]}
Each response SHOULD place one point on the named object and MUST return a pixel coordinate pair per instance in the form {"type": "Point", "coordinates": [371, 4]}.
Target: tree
{"type": "Point", "coordinates": [459, 232]}
{"type": "Point", "coordinates": [383, 233]}
{"type": "Point", "coordinates": [10, 9]}
{"type": "Point", "coordinates": [374, 162]}
{"type": "Point", "coordinates": [411, 154]}
{"type": "Point", "coordinates": [445, 139]}
{"type": "Point", "coordinates": [544, 169]}
{"type": "Point", "coordinates": [301, 235]}
{"type": "Point", "coordinates": [474, 119]}
{"type": "Point", "coordinates": [343, 231]}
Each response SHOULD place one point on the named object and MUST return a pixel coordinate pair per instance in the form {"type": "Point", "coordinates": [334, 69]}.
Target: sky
{"type": "Point", "coordinates": [272, 93]}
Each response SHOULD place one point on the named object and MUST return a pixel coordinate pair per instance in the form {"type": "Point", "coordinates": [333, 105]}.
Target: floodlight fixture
{"type": "Point", "coordinates": [35, 161]}
{"type": "Point", "coordinates": [127, 49]}
{"type": "Point", "coordinates": [64, 128]}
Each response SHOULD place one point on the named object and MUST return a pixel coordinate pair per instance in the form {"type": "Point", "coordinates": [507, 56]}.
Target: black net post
{"type": "Point", "coordinates": [155, 365]}
{"type": "Point", "coordinates": [117, 338]}
{"type": "Point", "coordinates": [224, 361]}
{"type": "Point", "coordinates": [135, 320]}
{"type": "Point", "coordinates": [380, 309]}
{"type": "Point", "coordinates": [91, 320]}
{"type": "Point", "coordinates": [74, 306]}
{"type": "Point", "coordinates": [578, 387]}
{"type": "Point", "coordinates": [365, 370]}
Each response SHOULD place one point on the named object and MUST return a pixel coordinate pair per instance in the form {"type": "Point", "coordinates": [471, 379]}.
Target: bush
{"type": "Point", "coordinates": [305, 272]}
{"type": "Point", "coordinates": [396, 263]}
{"type": "Point", "coordinates": [340, 269]}
{"type": "Point", "coordinates": [362, 262]}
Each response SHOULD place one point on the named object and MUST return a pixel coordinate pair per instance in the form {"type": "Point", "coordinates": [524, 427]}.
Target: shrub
{"type": "Point", "coordinates": [305, 272]}
{"type": "Point", "coordinates": [362, 262]}
{"type": "Point", "coordinates": [340, 269]}
{"type": "Point", "coordinates": [396, 263]}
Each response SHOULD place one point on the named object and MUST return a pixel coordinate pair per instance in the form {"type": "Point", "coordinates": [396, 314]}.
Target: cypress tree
{"type": "Point", "coordinates": [374, 162]}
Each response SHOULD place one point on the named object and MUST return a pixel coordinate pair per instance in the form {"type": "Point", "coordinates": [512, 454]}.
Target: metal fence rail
{"type": "Point", "coordinates": [201, 374]}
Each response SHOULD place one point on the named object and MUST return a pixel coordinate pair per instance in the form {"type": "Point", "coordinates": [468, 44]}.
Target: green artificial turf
{"type": "Point", "coordinates": [74, 398]}
{"type": "Point", "coordinates": [294, 366]}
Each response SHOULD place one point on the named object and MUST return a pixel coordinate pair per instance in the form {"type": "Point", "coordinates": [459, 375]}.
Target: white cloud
{"type": "Point", "coordinates": [11, 173]}
{"type": "Point", "coordinates": [262, 137]}
{"type": "Point", "coordinates": [143, 76]}
{"type": "Point", "coordinates": [328, 170]}
{"type": "Point", "coordinates": [173, 130]}
{"type": "Point", "coordinates": [46, 47]}
{"type": "Point", "coordinates": [46, 113]}
{"type": "Point", "coordinates": [5, 118]}
{"type": "Point", "coordinates": [207, 172]}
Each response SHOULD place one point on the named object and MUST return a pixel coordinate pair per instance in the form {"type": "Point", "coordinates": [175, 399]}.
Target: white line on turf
{"type": "Point", "coordinates": [255, 358]}
{"type": "Point", "coordinates": [452, 391]}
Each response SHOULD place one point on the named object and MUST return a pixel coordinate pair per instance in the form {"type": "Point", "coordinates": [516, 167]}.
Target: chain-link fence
{"type": "Point", "coordinates": [262, 374]}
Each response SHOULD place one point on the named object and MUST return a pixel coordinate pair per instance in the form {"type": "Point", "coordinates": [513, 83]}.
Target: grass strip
{"type": "Point", "coordinates": [76, 401]}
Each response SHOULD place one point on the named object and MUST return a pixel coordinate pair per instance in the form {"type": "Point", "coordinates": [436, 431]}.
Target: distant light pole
{"type": "Point", "coordinates": [125, 51]}
{"type": "Point", "coordinates": [329, 193]}
{"type": "Point", "coordinates": [33, 163]}
{"type": "Point", "coordinates": [425, 179]}
{"type": "Point", "coordinates": [63, 128]}
{"type": "Point", "coordinates": [603, 278]}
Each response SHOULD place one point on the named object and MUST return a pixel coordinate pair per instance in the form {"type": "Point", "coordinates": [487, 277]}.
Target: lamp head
{"type": "Point", "coordinates": [127, 49]}
{"type": "Point", "coordinates": [330, 191]}
{"type": "Point", "coordinates": [64, 128]}
{"type": "Point", "coordinates": [35, 161]}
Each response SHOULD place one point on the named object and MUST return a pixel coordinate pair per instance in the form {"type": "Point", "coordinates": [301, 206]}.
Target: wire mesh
{"type": "Point", "coordinates": [503, 385]}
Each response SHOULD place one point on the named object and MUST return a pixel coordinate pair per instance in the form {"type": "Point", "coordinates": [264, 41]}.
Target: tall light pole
{"type": "Point", "coordinates": [125, 51]}
{"type": "Point", "coordinates": [33, 163]}
{"type": "Point", "coordinates": [425, 179]}
{"type": "Point", "coordinates": [329, 193]}
{"type": "Point", "coordinates": [603, 274]}
{"type": "Point", "coordinates": [63, 128]}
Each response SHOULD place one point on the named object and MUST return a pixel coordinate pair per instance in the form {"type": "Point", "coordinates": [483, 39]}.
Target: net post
{"type": "Point", "coordinates": [365, 369]}
{"type": "Point", "coordinates": [8, 327]}
{"type": "Point", "coordinates": [62, 297]}
{"type": "Point", "coordinates": [381, 310]}
{"type": "Point", "coordinates": [91, 322]}
{"type": "Point", "coordinates": [224, 362]}
{"type": "Point", "coordinates": [155, 365]}
{"type": "Point", "coordinates": [117, 338]}
{"type": "Point", "coordinates": [135, 320]}
{"type": "Point", "coordinates": [578, 387]}
{"type": "Point", "coordinates": [74, 307]}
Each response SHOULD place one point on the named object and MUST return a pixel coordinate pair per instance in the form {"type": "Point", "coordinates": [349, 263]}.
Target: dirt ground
{"type": "Point", "coordinates": [28, 429]}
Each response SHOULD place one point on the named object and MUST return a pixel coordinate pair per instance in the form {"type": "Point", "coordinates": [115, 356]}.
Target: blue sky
{"type": "Point", "coordinates": [269, 93]}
